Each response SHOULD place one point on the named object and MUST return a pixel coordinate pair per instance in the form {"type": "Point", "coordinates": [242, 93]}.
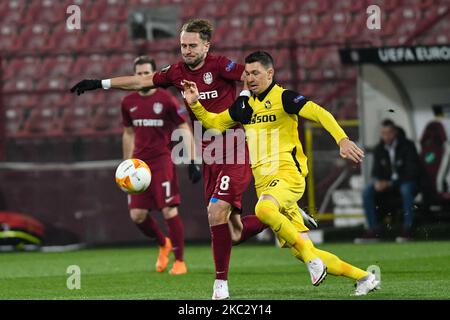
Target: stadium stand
{"type": "Point", "coordinates": [42, 58]}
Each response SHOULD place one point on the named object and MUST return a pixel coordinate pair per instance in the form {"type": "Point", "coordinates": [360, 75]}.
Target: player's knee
{"type": "Point", "coordinates": [138, 215]}
{"type": "Point", "coordinates": [169, 212]}
{"type": "Point", "coordinates": [265, 211]}
{"type": "Point", "coordinates": [218, 214]}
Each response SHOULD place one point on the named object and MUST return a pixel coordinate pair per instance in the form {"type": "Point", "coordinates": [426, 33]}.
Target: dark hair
{"type": "Point", "coordinates": [388, 123]}
{"type": "Point", "coordinates": [144, 60]}
{"type": "Point", "coordinates": [438, 110]}
{"type": "Point", "coordinates": [260, 56]}
{"type": "Point", "coordinates": [201, 26]}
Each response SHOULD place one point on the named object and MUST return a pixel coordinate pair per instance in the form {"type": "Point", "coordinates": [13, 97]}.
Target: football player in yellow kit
{"type": "Point", "coordinates": [269, 115]}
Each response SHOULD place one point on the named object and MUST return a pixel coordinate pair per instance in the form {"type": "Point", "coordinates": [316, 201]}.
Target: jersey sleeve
{"type": "Point", "coordinates": [295, 103]}
{"type": "Point", "coordinates": [218, 121]}
{"type": "Point", "coordinates": [175, 113]}
{"type": "Point", "coordinates": [229, 69]}
{"type": "Point", "coordinates": [163, 77]}
{"type": "Point", "coordinates": [126, 119]}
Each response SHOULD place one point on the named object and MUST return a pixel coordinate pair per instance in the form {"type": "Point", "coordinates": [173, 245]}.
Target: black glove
{"type": "Point", "coordinates": [194, 172]}
{"type": "Point", "coordinates": [85, 85]}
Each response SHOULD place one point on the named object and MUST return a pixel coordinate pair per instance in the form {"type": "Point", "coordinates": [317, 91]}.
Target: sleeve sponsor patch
{"type": "Point", "coordinates": [230, 66]}
{"type": "Point", "coordinates": [165, 68]}
{"type": "Point", "coordinates": [299, 98]}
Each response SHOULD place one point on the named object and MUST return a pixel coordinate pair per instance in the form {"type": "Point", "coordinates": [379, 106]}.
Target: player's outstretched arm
{"type": "Point", "coordinates": [219, 121]}
{"type": "Point", "coordinates": [125, 83]}
{"type": "Point", "coordinates": [348, 149]}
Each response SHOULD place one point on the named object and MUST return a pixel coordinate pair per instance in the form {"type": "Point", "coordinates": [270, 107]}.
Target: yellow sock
{"type": "Point", "coordinates": [335, 266]}
{"type": "Point", "coordinates": [268, 213]}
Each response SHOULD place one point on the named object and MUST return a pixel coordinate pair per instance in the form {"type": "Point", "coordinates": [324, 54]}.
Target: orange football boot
{"type": "Point", "coordinates": [163, 257]}
{"type": "Point", "coordinates": [179, 267]}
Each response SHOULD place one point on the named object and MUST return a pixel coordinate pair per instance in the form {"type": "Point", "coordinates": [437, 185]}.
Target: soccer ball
{"type": "Point", "coordinates": [133, 176]}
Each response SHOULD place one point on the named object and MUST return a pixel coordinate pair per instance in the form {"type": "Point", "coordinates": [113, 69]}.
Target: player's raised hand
{"type": "Point", "coordinates": [190, 92]}
{"type": "Point", "coordinates": [85, 85]}
{"type": "Point", "coordinates": [349, 150]}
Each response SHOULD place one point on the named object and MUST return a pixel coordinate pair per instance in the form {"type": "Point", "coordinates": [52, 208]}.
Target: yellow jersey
{"type": "Point", "coordinates": [270, 121]}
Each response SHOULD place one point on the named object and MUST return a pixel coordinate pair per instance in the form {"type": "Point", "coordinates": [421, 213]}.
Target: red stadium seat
{"type": "Point", "coordinates": [67, 41]}
{"type": "Point", "coordinates": [103, 36]}
{"type": "Point", "coordinates": [18, 84]}
{"type": "Point", "coordinates": [210, 9]}
{"type": "Point", "coordinates": [112, 10]}
{"type": "Point", "coordinates": [14, 12]}
{"type": "Point", "coordinates": [43, 121]}
{"type": "Point", "coordinates": [10, 41]}
{"type": "Point", "coordinates": [304, 27]}
{"type": "Point", "coordinates": [52, 83]}
{"type": "Point", "coordinates": [56, 66]}
{"type": "Point", "coordinates": [107, 119]}
{"type": "Point", "coordinates": [21, 100]}
{"type": "Point", "coordinates": [231, 33]}
{"type": "Point", "coordinates": [76, 120]}
{"type": "Point", "coordinates": [267, 29]}
{"type": "Point", "coordinates": [36, 38]}
{"type": "Point", "coordinates": [14, 117]}
{"type": "Point", "coordinates": [245, 8]}
{"type": "Point", "coordinates": [280, 7]}
{"type": "Point", "coordinates": [46, 12]}
{"type": "Point", "coordinates": [93, 66]}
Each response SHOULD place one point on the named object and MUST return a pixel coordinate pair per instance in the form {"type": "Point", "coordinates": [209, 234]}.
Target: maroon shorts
{"type": "Point", "coordinates": [226, 182]}
{"type": "Point", "coordinates": [163, 190]}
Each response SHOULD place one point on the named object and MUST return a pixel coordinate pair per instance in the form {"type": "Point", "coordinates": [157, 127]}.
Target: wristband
{"type": "Point", "coordinates": [106, 84]}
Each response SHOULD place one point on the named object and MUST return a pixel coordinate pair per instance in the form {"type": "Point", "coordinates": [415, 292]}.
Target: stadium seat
{"type": "Point", "coordinates": [231, 32]}
{"type": "Point", "coordinates": [304, 27]}
{"type": "Point", "coordinates": [14, 12]}
{"type": "Point", "coordinates": [92, 66]}
{"type": "Point", "coordinates": [76, 120]}
{"type": "Point", "coordinates": [18, 84]}
{"type": "Point", "coordinates": [115, 11]}
{"type": "Point", "coordinates": [103, 36]}
{"type": "Point", "coordinates": [56, 66]}
{"type": "Point", "coordinates": [14, 117]}
{"type": "Point", "coordinates": [265, 29]}
{"type": "Point", "coordinates": [208, 9]}
{"type": "Point", "coordinates": [245, 8]}
{"type": "Point", "coordinates": [46, 12]}
{"type": "Point", "coordinates": [107, 119]}
{"type": "Point", "coordinates": [67, 41]}
{"type": "Point", "coordinates": [52, 83]}
{"type": "Point", "coordinates": [280, 8]}
{"type": "Point", "coordinates": [43, 121]}
{"type": "Point", "coordinates": [35, 38]}
{"type": "Point", "coordinates": [11, 42]}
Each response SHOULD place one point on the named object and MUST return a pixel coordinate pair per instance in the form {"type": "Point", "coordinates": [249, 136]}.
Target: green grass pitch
{"type": "Point", "coordinates": [418, 270]}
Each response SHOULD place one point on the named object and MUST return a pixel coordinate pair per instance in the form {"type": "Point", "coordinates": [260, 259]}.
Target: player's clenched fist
{"type": "Point", "coordinates": [85, 85]}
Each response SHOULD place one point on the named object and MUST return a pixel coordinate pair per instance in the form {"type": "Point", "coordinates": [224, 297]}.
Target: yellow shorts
{"type": "Point", "coordinates": [287, 186]}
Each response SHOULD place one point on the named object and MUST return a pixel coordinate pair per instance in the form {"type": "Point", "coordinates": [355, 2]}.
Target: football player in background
{"type": "Point", "coordinates": [149, 118]}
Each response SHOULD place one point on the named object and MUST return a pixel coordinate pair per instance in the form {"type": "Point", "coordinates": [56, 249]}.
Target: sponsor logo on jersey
{"type": "Point", "coordinates": [207, 78]}
{"type": "Point", "coordinates": [206, 95]}
{"type": "Point", "coordinates": [165, 68]}
{"type": "Point", "coordinates": [157, 107]}
{"type": "Point", "coordinates": [230, 66]}
{"type": "Point", "coordinates": [133, 109]}
{"type": "Point", "coordinates": [298, 98]}
{"type": "Point", "coordinates": [263, 118]}
{"type": "Point", "coordinates": [268, 104]}
{"type": "Point", "coordinates": [148, 123]}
